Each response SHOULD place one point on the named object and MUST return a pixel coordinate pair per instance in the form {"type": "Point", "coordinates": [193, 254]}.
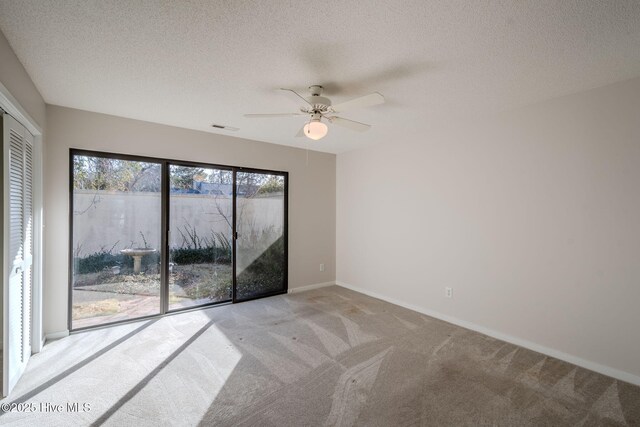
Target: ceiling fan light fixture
{"type": "Point", "coordinates": [318, 107]}
{"type": "Point", "coordinates": [315, 130]}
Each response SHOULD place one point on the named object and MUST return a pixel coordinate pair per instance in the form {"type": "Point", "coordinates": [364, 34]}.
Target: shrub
{"type": "Point", "coordinates": [98, 261]}
{"type": "Point", "coordinates": [101, 260]}
{"type": "Point", "coordinates": [182, 256]}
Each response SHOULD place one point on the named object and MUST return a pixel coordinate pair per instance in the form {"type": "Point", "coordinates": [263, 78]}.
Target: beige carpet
{"type": "Point", "coordinates": [324, 357]}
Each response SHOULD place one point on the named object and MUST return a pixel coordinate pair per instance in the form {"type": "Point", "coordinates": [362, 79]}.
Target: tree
{"type": "Point", "coordinates": [274, 184]}
{"type": "Point", "coordinates": [101, 173]}
{"type": "Point", "coordinates": [182, 177]}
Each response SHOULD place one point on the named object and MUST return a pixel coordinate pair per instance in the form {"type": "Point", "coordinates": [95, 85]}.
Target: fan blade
{"type": "Point", "coordinates": [349, 124]}
{"type": "Point", "coordinates": [294, 96]}
{"type": "Point", "coordinates": [364, 101]}
{"type": "Point", "coordinates": [262, 116]}
{"type": "Point", "coordinates": [301, 132]}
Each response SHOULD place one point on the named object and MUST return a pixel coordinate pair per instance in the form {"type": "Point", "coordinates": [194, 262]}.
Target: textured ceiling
{"type": "Point", "coordinates": [194, 63]}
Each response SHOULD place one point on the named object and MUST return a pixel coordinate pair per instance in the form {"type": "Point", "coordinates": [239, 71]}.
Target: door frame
{"type": "Point", "coordinates": [164, 231]}
{"type": "Point", "coordinates": [12, 107]}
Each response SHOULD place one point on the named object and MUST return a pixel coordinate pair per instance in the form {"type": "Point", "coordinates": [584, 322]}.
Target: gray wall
{"type": "Point", "coordinates": [311, 189]}
{"type": "Point", "coordinates": [532, 216]}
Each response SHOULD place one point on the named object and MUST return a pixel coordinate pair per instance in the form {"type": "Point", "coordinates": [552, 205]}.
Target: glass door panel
{"type": "Point", "coordinates": [200, 238]}
{"type": "Point", "coordinates": [116, 240]}
{"type": "Point", "coordinates": [261, 239]}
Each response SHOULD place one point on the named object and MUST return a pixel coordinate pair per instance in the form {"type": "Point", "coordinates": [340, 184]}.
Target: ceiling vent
{"type": "Point", "coordinates": [224, 127]}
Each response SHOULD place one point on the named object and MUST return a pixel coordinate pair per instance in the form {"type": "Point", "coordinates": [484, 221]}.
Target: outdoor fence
{"type": "Point", "coordinates": [104, 220]}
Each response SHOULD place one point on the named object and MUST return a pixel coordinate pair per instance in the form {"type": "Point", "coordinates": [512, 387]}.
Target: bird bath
{"type": "Point", "coordinates": [137, 254]}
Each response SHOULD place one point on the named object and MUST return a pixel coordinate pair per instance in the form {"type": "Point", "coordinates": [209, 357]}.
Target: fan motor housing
{"type": "Point", "coordinates": [319, 100]}
{"type": "Point", "coordinates": [318, 103]}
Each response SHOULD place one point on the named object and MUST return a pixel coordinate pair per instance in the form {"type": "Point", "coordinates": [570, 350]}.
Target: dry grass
{"type": "Point", "coordinates": [97, 308]}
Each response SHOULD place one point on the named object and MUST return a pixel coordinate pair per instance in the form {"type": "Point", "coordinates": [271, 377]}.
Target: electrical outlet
{"type": "Point", "coordinates": [321, 267]}
{"type": "Point", "coordinates": [448, 292]}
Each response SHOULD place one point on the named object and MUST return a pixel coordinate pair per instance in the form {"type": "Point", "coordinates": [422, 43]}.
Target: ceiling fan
{"type": "Point", "coordinates": [317, 107]}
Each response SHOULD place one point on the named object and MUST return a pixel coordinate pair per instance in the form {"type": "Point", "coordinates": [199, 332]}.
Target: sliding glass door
{"type": "Point", "coordinates": [200, 236]}
{"type": "Point", "coordinates": [116, 230]}
{"type": "Point", "coordinates": [260, 245]}
{"type": "Point", "coordinates": [150, 236]}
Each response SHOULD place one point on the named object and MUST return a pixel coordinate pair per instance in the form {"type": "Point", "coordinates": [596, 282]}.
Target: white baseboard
{"type": "Point", "coordinates": [56, 335]}
{"type": "Point", "coordinates": [592, 366]}
{"type": "Point", "coordinates": [310, 287]}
